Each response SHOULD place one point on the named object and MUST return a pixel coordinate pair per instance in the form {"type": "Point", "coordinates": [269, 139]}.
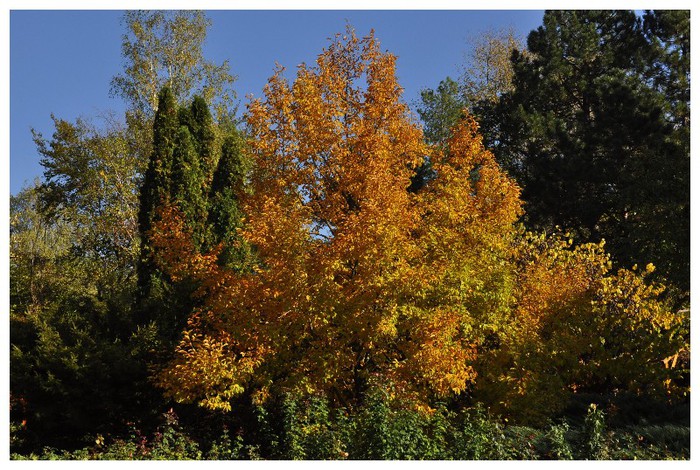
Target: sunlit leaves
{"type": "Point", "coordinates": [164, 48]}
{"type": "Point", "coordinates": [579, 327]}
{"type": "Point", "coordinates": [358, 280]}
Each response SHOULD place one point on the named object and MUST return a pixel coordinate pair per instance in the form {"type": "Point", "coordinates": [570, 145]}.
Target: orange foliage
{"type": "Point", "coordinates": [340, 243]}
{"type": "Point", "coordinates": [358, 280]}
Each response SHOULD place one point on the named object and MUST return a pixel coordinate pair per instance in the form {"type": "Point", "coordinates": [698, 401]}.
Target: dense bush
{"type": "Point", "coordinates": [309, 428]}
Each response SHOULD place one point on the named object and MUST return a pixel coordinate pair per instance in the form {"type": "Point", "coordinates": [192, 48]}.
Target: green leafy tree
{"type": "Point", "coordinates": [34, 243]}
{"type": "Point", "coordinates": [164, 48]}
{"type": "Point", "coordinates": [89, 178]}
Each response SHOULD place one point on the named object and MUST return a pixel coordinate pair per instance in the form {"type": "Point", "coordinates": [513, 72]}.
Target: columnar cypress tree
{"type": "Point", "coordinates": [225, 216]}
{"type": "Point", "coordinates": [201, 128]}
{"type": "Point", "coordinates": [187, 185]}
{"type": "Point", "coordinates": [179, 174]}
{"type": "Point", "coordinates": [156, 183]}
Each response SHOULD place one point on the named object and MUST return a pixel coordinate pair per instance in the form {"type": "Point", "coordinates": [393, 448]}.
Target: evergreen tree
{"type": "Point", "coordinates": [201, 128]}
{"type": "Point", "coordinates": [441, 109]}
{"type": "Point", "coordinates": [668, 32]}
{"type": "Point", "coordinates": [187, 183]}
{"type": "Point", "coordinates": [592, 142]}
{"type": "Point", "coordinates": [177, 179]}
{"type": "Point", "coordinates": [156, 183]}
{"type": "Point", "coordinates": [225, 215]}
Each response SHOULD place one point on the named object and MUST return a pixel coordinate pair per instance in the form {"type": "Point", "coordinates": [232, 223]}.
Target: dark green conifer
{"type": "Point", "coordinates": [595, 132]}
{"type": "Point", "coordinates": [225, 216]}
{"type": "Point", "coordinates": [156, 184]}
{"type": "Point", "coordinates": [188, 186]}
{"type": "Point", "coordinates": [199, 122]}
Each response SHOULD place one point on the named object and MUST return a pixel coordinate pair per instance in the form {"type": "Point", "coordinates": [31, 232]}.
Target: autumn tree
{"type": "Point", "coordinates": [466, 234]}
{"type": "Point", "coordinates": [488, 71]}
{"type": "Point", "coordinates": [579, 326]}
{"type": "Point", "coordinates": [331, 222]}
{"type": "Point", "coordinates": [358, 281]}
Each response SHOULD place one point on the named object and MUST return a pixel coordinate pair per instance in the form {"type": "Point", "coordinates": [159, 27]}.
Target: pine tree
{"type": "Point", "coordinates": [668, 32]}
{"type": "Point", "coordinates": [593, 142]}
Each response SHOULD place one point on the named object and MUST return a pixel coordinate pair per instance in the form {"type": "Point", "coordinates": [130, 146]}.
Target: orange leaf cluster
{"type": "Point", "coordinates": [359, 280]}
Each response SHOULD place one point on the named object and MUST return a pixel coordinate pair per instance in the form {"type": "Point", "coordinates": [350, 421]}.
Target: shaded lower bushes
{"type": "Point", "coordinates": [381, 429]}
{"type": "Point", "coordinates": [169, 442]}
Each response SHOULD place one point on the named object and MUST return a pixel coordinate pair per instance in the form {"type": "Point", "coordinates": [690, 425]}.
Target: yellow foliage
{"type": "Point", "coordinates": [578, 327]}
{"type": "Point", "coordinates": [360, 281]}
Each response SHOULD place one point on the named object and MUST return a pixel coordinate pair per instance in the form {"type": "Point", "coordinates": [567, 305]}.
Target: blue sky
{"type": "Point", "coordinates": [61, 62]}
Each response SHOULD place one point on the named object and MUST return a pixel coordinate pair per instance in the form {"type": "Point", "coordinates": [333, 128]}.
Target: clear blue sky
{"type": "Point", "coordinates": [61, 62]}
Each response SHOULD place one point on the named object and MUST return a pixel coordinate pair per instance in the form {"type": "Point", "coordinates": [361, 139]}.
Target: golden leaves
{"type": "Point", "coordinates": [208, 371]}
{"type": "Point", "coordinates": [578, 326]}
{"type": "Point", "coordinates": [359, 280]}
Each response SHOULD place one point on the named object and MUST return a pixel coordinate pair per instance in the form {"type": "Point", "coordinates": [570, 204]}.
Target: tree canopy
{"type": "Point", "coordinates": [330, 279]}
{"type": "Point", "coordinates": [358, 281]}
{"type": "Point", "coordinates": [597, 141]}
